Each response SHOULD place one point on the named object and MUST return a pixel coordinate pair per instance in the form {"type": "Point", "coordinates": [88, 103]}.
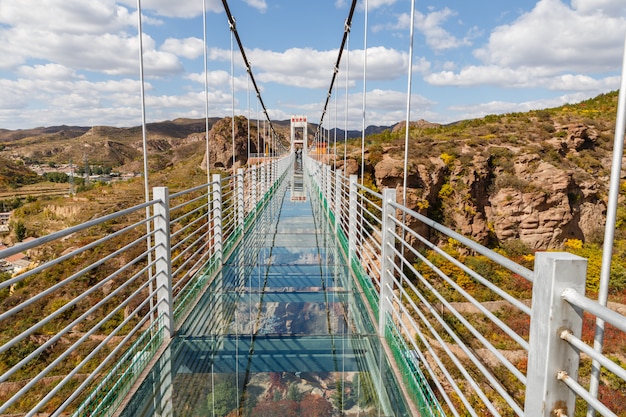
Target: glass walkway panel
{"type": "Point", "coordinates": [281, 331]}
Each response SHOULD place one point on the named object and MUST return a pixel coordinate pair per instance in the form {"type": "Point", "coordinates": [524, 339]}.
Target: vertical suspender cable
{"type": "Point", "coordinates": [407, 134]}
{"type": "Point", "coordinates": [609, 233]}
{"type": "Point", "coordinates": [345, 133]}
{"type": "Point", "coordinates": [335, 139]}
{"type": "Point", "coordinates": [206, 94]}
{"type": "Point", "coordinates": [248, 87]}
{"type": "Point", "coordinates": [145, 154]}
{"type": "Point", "coordinates": [364, 95]}
{"type": "Point", "coordinates": [206, 122]}
{"type": "Point", "coordinates": [408, 105]}
{"type": "Point", "coordinates": [232, 87]}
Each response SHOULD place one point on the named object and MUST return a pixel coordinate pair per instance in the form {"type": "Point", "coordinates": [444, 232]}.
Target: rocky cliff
{"type": "Point", "coordinates": [540, 178]}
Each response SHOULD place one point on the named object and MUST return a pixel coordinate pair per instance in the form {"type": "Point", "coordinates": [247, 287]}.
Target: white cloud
{"type": "Point", "coordinates": [189, 47]}
{"type": "Point", "coordinates": [375, 4]}
{"type": "Point", "coordinates": [606, 7]}
{"type": "Point", "coordinates": [80, 35]}
{"type": "Point", "coordinates": [260, 5]}
{"type": "Point", "coordinates": [436, 36]}
{"type": "Point", "coordinates": [179, 8]}
{"type": "Point", "coordinates": [68, 16]}
{"type": "Point", "coordinates": [499, 107]}
{"type": "Point", "coordinates": [47, 72]}
{"type": "Point", "coordinates": [560, 38]}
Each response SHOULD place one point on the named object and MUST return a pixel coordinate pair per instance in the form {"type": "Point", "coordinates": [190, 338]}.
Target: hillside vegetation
{"type": "Point", "coordinates": [517, 182]}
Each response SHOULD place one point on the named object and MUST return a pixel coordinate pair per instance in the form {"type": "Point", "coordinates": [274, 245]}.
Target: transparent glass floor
{"type": "Point", "coordinates": [282, 331]}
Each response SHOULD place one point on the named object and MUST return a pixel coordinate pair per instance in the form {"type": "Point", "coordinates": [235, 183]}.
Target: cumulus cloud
{"type": "Point", "coordinates": [70, 16]}
{"type": "Point", "coordinates": [189, 47]}
{"type": "Point", "coordinates": [48, 72]}
{"type": "Point", "coordinates": [179, 8]}
{"type": "Point", "coordinates": [553, 46]}
{"type": "Point", "coordinates": [556, 36]}
{"type": "Point", "coordinates": [260, 5]}
{"type": "Point", "coordinates": [436, 36]}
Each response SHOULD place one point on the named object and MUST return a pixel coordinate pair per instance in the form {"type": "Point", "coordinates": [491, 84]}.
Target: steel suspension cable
{"type": "Point", "coordinates": [145, 154]}
{"type": "Point", "coordinates": [231, 22]}
{"type": "Point", "coordinates": [364, 95]}
{"type": "Point", "coordinates": [232, 88]}
{"type": "Point", "coordinates": [346, 31]}
{"type": "Point", "coordinates": [206, 99]}
{"type": "Point", "coordinates": [609, 233]}
{"type": "Point", "coordinates": [345, 132]}
{"type": "Point", "coordinates": [407, 134]}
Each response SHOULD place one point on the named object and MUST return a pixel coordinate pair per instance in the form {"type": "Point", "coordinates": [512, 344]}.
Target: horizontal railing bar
{"type": "Point", "coordinates": [584, 394]}
{"type": "Point", "coordinates": [69, 279]}
{"type": "Point", "coordinates": [493, 381]}
{"type": "Point", "coordinates": [24, 246]}
{"type": "Point", "coordinates": [7, 374]}
{"type": "Point", "coordinates": [503, 294]}
{"type": "Point", "coordinates": [496, 257]}
{"type": "Point", "coordinates": [578, 300]}
{"type": "Point", "coordinates": [78, 251]}
{"type": "Point", "coordinates": [108, 358]}
{"type": "Point", "coordinates": [593, 354]}
{"type": "Point", "coordinates": [208, 185]}
{"type": "Point", "coordinates": [59, 359]}
{"type": "Point", "coordinates": [203, 197]}
{"type": "Point", "coordinates": [517, 338]}
{"type": "Point", "coordinates": [404, 314]}
{"type": "Point", "coordinates": [488, 345]}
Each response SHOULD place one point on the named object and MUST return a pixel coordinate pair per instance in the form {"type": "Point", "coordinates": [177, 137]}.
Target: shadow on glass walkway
{"type": "Point", "coordinates": [281, 331]}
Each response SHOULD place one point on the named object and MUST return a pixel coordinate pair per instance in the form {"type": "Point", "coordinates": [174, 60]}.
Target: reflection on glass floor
{"type": "Point", "coordinates": [282, 332]}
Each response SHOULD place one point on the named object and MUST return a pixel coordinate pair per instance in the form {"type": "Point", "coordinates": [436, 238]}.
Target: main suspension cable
{"type": "Point", "coordinates": [233, 27]}
{"type": "Point", "coordinates": [346, 31]}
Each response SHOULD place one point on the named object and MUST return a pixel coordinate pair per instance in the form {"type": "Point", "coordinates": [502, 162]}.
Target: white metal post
{"type": "Point", "coordinates": [549, 354]}
{"type": "Point", "coordinates": [263, 174]}
{"type": "Point", "coordinates": [217, 214]}
{"type": "Point", "coordinates": [163, 258]}
{"type": "Point", "coordinates": [387, 260]}
{"type": "Point", "coordinates": [329, 188]}
{"type": "Point", "coordinates": [253, 182]}
{"type": "Point", "coordinates": [338, 199]}
{"type": "Point", "coordinates": [352, 219]}
{"type": "Point", "coordinates": [240, 205]}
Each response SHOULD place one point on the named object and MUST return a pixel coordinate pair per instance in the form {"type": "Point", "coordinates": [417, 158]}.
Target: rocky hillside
{"type": "Point", "coordinates": [539, 177]}
{"type": "Point", "coordinates": [14, 174]}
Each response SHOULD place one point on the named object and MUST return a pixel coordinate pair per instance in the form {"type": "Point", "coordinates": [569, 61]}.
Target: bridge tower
{"type": "Point", "coordinates": [297, 141]}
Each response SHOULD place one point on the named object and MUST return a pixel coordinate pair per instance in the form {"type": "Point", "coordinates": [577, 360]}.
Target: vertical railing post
{"type": "Point", "coordinates": [329, 188]}
{"type": "Point", "coordinates": [338, 199]}
{"type": "Point", "coordinates": [263, 189]}
{"type": "Point", "coordinates": [217, 215]}
{"type": "Point", "coordinates": [253, 182]}
{"type": "Point", "coordinates": [163, 259]}
{"type": "Point", "coordinates": [387, 258]}
{"type": "Point", "coordinates": [240, 202]}
{"type": "Point", "coordinates": [549, 354]}
{"type": "Point", "coordinates": [352, 216]}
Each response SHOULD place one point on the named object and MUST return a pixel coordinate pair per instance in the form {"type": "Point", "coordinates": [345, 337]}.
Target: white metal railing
{"type": "Point", "coordinates": [79, 326]}
{"type": "Point", "coordinates": [488, 335]}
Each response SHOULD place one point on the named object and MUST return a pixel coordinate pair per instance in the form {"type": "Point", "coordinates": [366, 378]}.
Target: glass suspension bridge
{"type": "Point", "coordinates": [289, 288]}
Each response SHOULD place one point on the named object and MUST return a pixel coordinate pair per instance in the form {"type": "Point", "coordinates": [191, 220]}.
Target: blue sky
{"type": "Point", "coordinates": [75, 62]}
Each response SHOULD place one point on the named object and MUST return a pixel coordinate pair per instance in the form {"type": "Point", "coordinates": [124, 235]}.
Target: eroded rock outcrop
{"type": "Point", "coordinates": [528, 198]}
{"type": "Point", "coordinates": [221, 149]}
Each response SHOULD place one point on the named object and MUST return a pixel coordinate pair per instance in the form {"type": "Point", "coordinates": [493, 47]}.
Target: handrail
{"type": "Point", "coordinates": [424, 281]}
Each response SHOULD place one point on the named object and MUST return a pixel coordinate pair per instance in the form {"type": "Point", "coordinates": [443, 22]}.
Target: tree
{"type": "Point", "coordinates": [20, 231]}
{"type": "Point", "coordinates": [223, 398]}
{"type": "Point", "coordinates": [315, 406]}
